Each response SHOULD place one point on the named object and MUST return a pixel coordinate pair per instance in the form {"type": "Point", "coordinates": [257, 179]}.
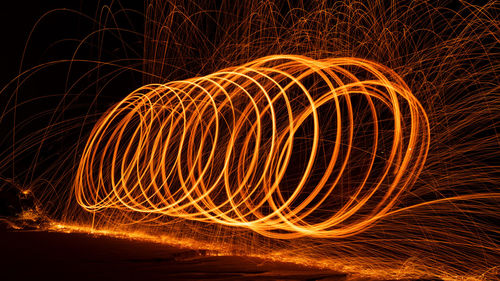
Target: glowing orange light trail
{"type": "Point", "coordinates": [226, 148]}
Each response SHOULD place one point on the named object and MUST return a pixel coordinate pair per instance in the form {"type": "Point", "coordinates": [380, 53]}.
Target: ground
{"type": "Point", "coordinates": [43, 255]}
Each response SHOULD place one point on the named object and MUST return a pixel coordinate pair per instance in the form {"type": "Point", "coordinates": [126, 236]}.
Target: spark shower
{"type": "Point", "coordinates": [356, 136]}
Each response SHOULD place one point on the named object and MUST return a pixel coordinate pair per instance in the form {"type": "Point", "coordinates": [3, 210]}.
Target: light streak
{"type": "Point", "coordinates": [217, 148]}
{"type": "Point", "coordinates": [382, 163]}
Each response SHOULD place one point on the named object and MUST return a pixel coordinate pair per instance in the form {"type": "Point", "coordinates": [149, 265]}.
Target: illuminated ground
{"type": "Point", "coordinates": [65, 252]}
{"type": "Point", "coordinates": [77, 256]}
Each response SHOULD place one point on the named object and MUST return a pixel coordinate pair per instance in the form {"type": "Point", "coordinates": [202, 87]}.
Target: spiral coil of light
{"type": "Point", "coordinates": [245, 146]}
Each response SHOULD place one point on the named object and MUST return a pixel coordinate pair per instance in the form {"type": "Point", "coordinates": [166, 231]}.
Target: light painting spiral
{"type": "Point", "coordinates": [285, 145]}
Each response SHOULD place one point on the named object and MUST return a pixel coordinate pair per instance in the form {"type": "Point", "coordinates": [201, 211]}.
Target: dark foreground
{"type": "Point", "coordinates": [42, 255]}
{"type": "Point", "coordinates": [36, 255]}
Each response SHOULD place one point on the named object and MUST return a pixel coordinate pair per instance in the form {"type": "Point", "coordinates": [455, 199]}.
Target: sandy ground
{"type": "Point", "coordinates": [45, 255]}
{"type": "Point", "coordinates": [39, 255]}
